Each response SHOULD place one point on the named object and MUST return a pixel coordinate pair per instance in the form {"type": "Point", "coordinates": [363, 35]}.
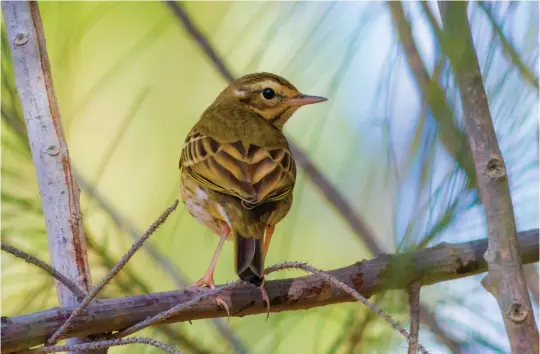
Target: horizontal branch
{"type": "Point", "coordinates": [428, 266]}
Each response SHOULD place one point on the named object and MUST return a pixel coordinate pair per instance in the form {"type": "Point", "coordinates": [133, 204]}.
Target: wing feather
{"type": "Point", "coordinates": [254, 174]}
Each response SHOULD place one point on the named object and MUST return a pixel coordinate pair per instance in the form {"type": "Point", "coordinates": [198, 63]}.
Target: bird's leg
{"type": "Point", "coordinates": [268, 236]}
{"type": "Point", "coordinates": [208, 278]}
{"type": "Point", "coordinates": [266, 300]}
{"type": "Point", "coordinates": [269, 232]}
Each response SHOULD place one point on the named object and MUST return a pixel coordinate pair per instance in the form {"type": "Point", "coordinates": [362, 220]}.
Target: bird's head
{"type": "Point", "coordinates": [269, 95]}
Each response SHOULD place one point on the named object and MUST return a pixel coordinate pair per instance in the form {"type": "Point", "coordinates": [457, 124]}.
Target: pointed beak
{"type": "Point", "coordinates": [302, 100]}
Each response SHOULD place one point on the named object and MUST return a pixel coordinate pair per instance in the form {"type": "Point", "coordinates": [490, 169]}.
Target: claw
{"type": "Point", "coordinates": [223, 304]}
{"type": "Point", "coordinates": [267, 300]}
{"type": "Point", "coordinates": [209, 282]}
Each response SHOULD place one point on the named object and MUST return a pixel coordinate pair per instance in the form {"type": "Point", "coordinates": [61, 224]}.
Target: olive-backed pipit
{"type": "Point", "coordinates": [237, 172]}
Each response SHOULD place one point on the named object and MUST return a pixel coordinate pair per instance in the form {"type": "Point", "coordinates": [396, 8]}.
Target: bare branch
{"type": "Point", "coordinates": [288, 265]}
{"type": "Point", "coordinates": [414, 304]}
{"type": "Point", "coordinates": [505, 279]}
{"type": "Point", "coordinates": [58, 189]}
{"type": "Point", "coordinates": [103, 345]}
{"type": "Point", "coordinates": [428, 266]}
{"type": "Point", "coordinates": [47, 268]}
{"type": "Point", "coordinates": [121, 263]}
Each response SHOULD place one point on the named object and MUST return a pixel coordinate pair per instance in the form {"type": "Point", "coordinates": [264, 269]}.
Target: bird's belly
{"type": "Point", "coordinates": [201, 208]}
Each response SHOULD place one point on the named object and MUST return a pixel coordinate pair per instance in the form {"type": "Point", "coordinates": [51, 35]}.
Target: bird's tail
{"type": "Point", "coordinates": [248, 256]}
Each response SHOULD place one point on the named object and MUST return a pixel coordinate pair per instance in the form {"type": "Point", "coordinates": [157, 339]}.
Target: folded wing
{"type": "Point", "coordinates": [252, 173]}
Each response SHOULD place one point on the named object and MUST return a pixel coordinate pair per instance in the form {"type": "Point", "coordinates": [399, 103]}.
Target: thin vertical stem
{"type": "Point", "coordinates": [414, 304]}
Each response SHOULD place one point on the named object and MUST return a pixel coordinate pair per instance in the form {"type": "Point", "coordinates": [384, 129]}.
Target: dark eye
{"type": "Point", "coordinates": [268, 93]}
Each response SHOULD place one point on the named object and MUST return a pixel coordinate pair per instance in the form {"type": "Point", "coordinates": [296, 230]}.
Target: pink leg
{"type": "Point", "coordinates": [208, 278]}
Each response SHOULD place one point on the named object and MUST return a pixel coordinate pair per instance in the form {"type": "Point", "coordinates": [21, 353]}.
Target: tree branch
{"type": "Point", "coordinates": [429, 266]}
{"type": "Point", "coordinates": [505, 279]}
{"type": "Point", "coordinates": [58, 189]}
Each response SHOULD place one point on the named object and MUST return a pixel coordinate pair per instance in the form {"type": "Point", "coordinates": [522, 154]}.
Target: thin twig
{"type": "Point", "coordinates": [414, 304]}
{"type": "Point", "coordinates": [54, 338]}
{"type": "Point", "coordinates": [346, 288]}
{"type": "Point", "coordinates": [47, 268]}
{"type": "Point", "coordinates": [104, 344]}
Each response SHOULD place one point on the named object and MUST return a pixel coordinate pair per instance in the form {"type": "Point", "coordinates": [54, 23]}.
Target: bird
{"type": "Point", "coordinates": [237, 172]}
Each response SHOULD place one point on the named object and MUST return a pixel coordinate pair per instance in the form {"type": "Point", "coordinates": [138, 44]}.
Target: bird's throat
{"type": "Point", "coordinates": [282, 118]}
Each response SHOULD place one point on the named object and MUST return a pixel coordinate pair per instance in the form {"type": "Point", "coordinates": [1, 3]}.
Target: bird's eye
{"type": "Point", "coordinates": [268, 93]}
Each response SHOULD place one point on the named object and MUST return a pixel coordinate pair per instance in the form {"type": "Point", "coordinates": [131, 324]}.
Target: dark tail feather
{"type": "Point", "coordinates": [248, 259]}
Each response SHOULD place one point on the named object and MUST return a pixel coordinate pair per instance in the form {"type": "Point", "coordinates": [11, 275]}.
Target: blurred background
{"type": "Point", "coordinates": [131, 82]}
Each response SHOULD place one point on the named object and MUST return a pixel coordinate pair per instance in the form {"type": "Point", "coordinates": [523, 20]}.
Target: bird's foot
{"type": "Point", "coordinates": [208, 281]}
{"type": "Point", "coordinates": [266, 300]}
